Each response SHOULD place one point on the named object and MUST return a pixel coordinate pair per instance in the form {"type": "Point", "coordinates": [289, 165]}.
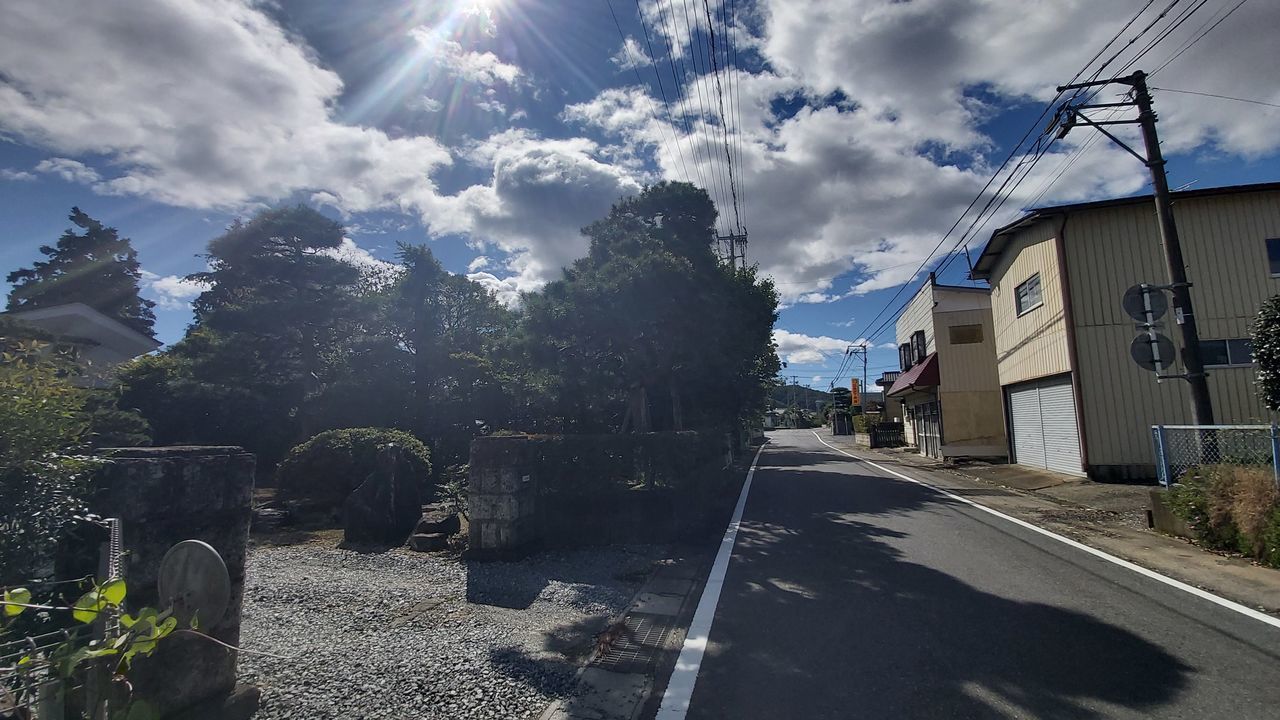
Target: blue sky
{"type": "Point", "coordinates": [493, 129]}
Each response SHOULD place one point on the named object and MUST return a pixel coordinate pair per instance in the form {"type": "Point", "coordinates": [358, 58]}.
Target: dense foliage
{"type": "Point", "coordinates": [649, 331]}
{"type": "Point", "coordinates": [326, 468]}
{"type": "Point", "coordinates": [1266, 351]}
{"type": "Point", "coordinates": [42, 426]}
{"type": "Point", "coordinates": [96, 267]}
{"type": "Point", "coordinates": [1231, 507]}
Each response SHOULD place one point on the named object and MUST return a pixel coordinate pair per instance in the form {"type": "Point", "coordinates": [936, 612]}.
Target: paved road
{"type": "Point", "coordinates": [854, 594]}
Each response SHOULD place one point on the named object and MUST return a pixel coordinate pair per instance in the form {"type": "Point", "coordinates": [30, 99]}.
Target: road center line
{"type": "Point", "coordinates": [675, 701]}
{"type": "Point", "coordinates": [1228, 604]}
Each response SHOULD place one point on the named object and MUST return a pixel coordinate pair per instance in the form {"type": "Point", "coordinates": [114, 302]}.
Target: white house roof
{"type": "Point", "coordinates": [77, 321]}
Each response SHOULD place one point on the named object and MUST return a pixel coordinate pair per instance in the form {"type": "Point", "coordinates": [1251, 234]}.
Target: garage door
{"type": "Point", "coordinates": [1043, 421]}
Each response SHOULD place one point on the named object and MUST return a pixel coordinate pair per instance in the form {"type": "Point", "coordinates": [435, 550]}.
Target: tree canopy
{"type": "Point", "coordinates": [97, 267]}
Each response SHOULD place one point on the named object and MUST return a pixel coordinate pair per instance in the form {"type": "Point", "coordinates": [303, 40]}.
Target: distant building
{"type": "Point", "coordinates": [948, 384]}
{"type": "Point", "coordinates": [102, 344]}
{"type": "Point", "coordinates": [1074, 400]}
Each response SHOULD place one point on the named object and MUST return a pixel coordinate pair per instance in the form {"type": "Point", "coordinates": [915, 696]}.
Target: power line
{"type": "Point", "coordinates": [1220, 97]}
{"type": "Point", "coordinates": [652, 110]}
{"type": "Point", "coordinates": [1199, 37]}
{"type": "Point", "coordinates": [699, 78]}
{"type": "Point", "coordinates": [661, 88]}
{"type": "Point", "coordinates": [1037, 148]}
{"type": "Point", "coordinates": [724, 129]}
{"type": "Point", "coordinates": [681, 96]}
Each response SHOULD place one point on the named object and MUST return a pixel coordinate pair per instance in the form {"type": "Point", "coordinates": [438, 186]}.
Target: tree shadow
{"type": "Point", "coordinates": [822, 615]}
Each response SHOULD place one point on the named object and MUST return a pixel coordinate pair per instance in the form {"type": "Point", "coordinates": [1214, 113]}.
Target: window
{"type": "Point", "coordinates": [904, 356]}
{"type": "Point", "coordinates": [1028, 296]}
{"type": "Point", "coordinates": [1273, 256]}
{"type": "Point", "coordinates": [965, 334]}
{"type": "Point", "coordinates": [919, 347]}
{"type": "Point", "coordinates": [1233, 352]}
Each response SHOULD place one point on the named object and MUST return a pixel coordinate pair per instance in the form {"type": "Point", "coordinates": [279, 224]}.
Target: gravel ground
{"type": "Point", "coordinates": [393, 635]}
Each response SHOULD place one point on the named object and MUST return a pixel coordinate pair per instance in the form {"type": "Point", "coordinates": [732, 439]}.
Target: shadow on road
{"type": "Point", "coordinates": [822, 616]}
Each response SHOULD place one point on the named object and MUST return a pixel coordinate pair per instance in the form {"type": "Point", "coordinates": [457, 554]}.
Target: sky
{"type": "Point", "coordinates": [853, 134]}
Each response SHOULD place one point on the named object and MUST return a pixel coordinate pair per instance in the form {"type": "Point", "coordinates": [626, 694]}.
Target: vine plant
{"type": "Point", "coordinates": [56, 666]}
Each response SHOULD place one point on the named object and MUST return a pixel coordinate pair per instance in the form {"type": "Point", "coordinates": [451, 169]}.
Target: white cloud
{"type": "Point", "coordinates": [506, 290]}
{"type": "Point", "coordinates": [69, 170]}
{"type": "Point", "coordinates": [171, 292]}
{"type": "Point", "coordinates": [374, 269]}
{"type": "Point", "coordinates": [800, 349]}
{"type": "Point", "coordinates": [16, 175]}
{"type": "Point", "coordinates": [429, 104]}
{"type": "Point", "coordinates": [483, 68]}
{"type": "Point", "coordinates": [479, 263]}
{"type": "Point", "coordinates": [630, 55]}
{"type": "Point", "coordinates": [258, 126]}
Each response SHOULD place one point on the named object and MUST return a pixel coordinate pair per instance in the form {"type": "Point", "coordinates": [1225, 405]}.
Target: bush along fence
{"type": "Point", "coordinates": [1178, 448]}
{"type": "Point", "coordinates": [573, 490]}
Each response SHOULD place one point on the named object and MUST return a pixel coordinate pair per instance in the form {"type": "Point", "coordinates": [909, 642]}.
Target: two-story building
{"type": "Point", "coordinates": [948, 386]}
{"type": "Point", "coordinates": [1074, 400]}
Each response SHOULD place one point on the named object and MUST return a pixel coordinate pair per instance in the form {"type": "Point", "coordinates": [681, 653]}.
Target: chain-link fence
{"type": "Point", "coordinates": [1181, 447]}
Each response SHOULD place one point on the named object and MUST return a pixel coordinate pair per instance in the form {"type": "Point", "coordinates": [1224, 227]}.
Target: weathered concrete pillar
{"type": "Point", "coordinates": [166, 495]}
{"type": "Point", "coordinates": [502, 496]}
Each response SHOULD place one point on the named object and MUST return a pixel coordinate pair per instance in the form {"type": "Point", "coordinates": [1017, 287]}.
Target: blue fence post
{"type": "Point", "coordinates": [1162, 454]}
{"type": "Point", "coordinates": [1275, 452]}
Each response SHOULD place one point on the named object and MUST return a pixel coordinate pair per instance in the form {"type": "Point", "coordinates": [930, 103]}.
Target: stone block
{"type": "Point", "coordinates": [1164, 520]}
{"type": "Point", "coordinates": [427, 542]}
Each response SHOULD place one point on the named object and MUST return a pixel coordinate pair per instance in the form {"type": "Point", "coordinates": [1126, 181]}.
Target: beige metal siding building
{"type": "Point", "coordinates": [1075, 342]}
{"type": "Point", "coordinates": [948, 385]}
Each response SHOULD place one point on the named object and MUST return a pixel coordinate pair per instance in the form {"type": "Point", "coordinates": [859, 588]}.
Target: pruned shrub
{"type": "Point", "coordinates": [1231, 507]}
{"type": "Point", "coordinates": [325, 469]}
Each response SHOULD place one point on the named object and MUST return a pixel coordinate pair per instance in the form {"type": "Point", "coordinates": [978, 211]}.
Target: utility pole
{"type": "Point", "coordinates": [1180, 287]}
{"type": "Point", "coordinates": [861, 351]}
{"type": "Point", "coordinates": [735, 247]}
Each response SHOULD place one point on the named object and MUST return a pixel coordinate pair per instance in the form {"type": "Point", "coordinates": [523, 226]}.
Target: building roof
{"type": "Point", "coordinates": [1001, 237]}
{"type": "Point", "coordinates": [77, 322]}
{"type": "Point", "coordinates": [922, 374]}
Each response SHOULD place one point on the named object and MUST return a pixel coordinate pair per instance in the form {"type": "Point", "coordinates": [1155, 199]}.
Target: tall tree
{"type": "Point", "coordinates": [97, 267]}
{"type": "Point", "coordinates": [650, 331]}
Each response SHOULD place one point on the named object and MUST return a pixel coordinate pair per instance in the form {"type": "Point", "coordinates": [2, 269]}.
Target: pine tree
{"type": "Point", "coordinates": [97, 268]}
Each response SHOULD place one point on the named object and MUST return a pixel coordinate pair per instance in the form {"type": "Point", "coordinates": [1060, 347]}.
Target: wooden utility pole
{"type": "Point", "coordinates": [1179, 286]}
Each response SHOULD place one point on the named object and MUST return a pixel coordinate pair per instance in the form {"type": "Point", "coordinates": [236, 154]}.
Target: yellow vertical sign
{"type": "Point", "coordinates": [855, 396]}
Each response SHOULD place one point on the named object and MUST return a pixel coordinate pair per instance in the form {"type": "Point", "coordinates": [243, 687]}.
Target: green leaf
{"type": "Point", "coordinates": [114, 592]}
{"type": "Point", "coordinates": [195, 620]}
{"type": "Point", "coordinates": [88, 607]}
{"type": "Point", "coordinates": [16, 595]}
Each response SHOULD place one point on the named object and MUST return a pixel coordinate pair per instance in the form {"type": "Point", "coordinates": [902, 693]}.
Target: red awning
{"type": "Point", "coordinates": [922, 375]}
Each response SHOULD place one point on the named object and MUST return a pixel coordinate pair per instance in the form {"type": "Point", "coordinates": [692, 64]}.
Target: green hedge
{"type": "Point", "coordinates": [326, 468]}
{"type": "Point", "coordinates": [1231, 507]}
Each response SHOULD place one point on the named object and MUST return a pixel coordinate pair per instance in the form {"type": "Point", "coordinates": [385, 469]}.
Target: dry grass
{"type": "Point", "coordinates": [1254, 499]}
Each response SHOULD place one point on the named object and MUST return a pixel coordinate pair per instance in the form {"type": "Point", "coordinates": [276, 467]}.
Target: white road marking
{"type": "Point", "coordinates": [1237, 607]}
{"type": "Point", "coordinates": [675, 701]}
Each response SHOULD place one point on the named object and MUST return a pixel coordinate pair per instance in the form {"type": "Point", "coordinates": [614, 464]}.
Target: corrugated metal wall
{"type": "Point", "coordinates": [1034, 345]}
{"type": "Point", "coordinates": [918, 315]}
{"type": "Point", "coordinates": [1110, 249]}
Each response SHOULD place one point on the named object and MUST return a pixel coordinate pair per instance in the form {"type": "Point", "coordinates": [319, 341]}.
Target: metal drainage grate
{"type": "Point", "coordinates": [636, 649]}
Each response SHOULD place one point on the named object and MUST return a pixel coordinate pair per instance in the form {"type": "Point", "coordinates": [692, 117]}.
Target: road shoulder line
{"type": "Point", "coordinates": [675, 701]}
{"type": "Point", "coordinates": [1223, 602]}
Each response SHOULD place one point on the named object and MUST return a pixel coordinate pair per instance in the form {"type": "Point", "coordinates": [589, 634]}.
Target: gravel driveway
{"type": "Point", "coordinates": [393, 635]}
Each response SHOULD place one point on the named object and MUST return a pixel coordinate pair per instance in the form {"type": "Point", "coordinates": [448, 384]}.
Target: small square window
{"type": "Point", "coordinates": [965, 334]}
{"type": "Point", "coordinates": [1273, 256]}
{"type": "Point", "coordinates": [1240, 351]}
{"type": "Point", "coordinates": [1028, 296]}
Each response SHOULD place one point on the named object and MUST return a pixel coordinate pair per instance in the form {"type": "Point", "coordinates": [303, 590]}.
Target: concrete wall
{"type": "Point", "coordinates": [502, 495]}
{"type": "Point", "coordinates": [164, 496]}
{"type": "Point", "coordinates": [969, 393]}
{"type": "Point", "coordinates": [1110, 249]}
{"type": "Point", "coordinates": [918, 315]}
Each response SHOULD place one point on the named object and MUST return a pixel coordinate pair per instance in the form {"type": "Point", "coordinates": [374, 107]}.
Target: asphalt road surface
{"type": "Point", "coordinates": [854, 594]}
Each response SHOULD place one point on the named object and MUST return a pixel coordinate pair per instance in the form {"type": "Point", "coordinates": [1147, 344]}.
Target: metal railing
{"type": "Point", "coordinates": [1179, 448]}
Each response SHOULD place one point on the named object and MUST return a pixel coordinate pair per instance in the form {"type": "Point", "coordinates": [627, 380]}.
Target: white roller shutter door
{"type": "Point", "coordinates": [1044, 428]}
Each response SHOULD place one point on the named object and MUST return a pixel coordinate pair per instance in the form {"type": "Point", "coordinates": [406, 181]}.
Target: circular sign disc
{"type": "Point", "coordinates": [194, 582]}
{"type": "Point", "coordinates": [1143, 350]}
{"type": "Point", "coordinates": [1136, 307]}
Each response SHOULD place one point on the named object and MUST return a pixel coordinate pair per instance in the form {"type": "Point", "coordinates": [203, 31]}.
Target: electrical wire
{"type": "Point", "coordinates": [1199, 37]}
{"type": "Point", "coordinates": [653, 59]}
{"type": "Point", "coordinates": [1220, 97]}
{"type": "Point", "coordinates": [724, 129]}
{"type": "Point", "coordinates": [681, 97]}
{"type": "Point", "coordinates": [662, 143]}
